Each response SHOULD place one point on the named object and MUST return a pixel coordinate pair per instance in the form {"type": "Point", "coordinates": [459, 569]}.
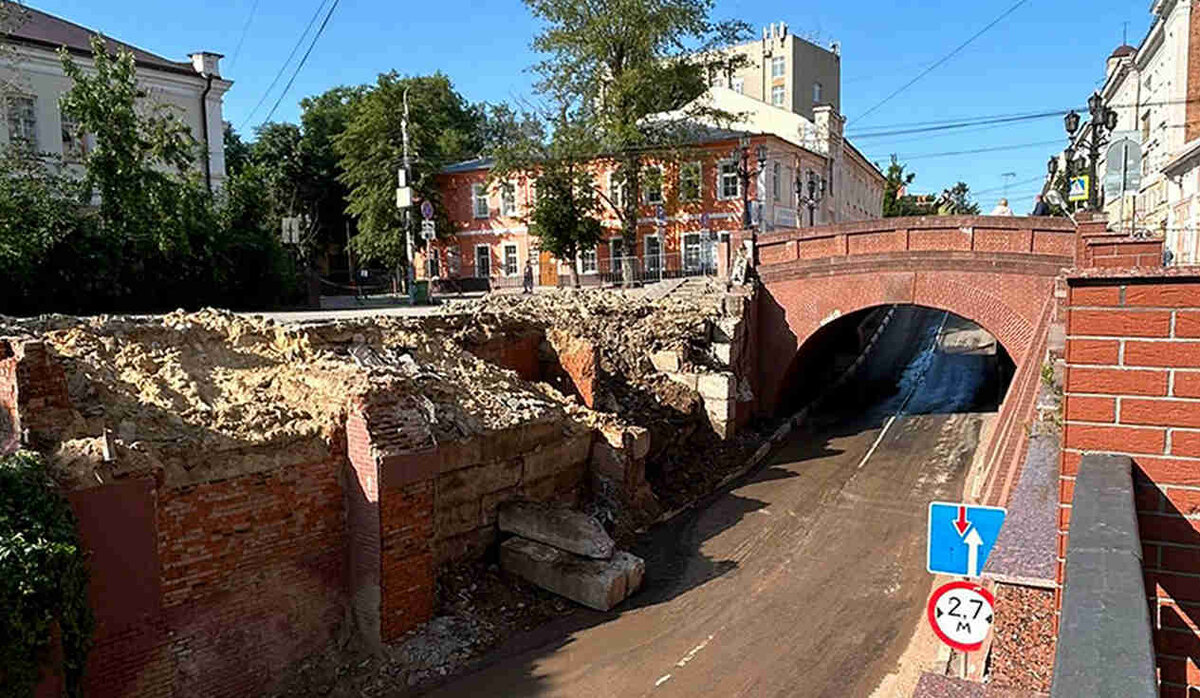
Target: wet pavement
{"type": "Point", "coordinates": [806, 578]}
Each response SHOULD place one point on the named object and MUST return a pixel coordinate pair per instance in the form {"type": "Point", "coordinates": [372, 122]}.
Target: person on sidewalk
{"type": "Point", "coordinates": [1040, 207]}
{"type": "Point", "coordinates": [528, 276]}
{"type": "Point", "coordinates": [1002, 209]}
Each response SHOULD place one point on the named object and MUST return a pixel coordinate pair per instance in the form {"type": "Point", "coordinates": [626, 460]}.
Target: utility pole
{"type": "Point", "coordinates": [350, 256]}
{"type": "Point", "coordinates": [408, 241]}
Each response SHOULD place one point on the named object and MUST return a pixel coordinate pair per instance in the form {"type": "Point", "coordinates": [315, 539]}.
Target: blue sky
{"type": "Point", "coordinates": [1048, 54]}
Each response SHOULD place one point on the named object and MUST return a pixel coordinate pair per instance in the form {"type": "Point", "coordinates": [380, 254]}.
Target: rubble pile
{"type": "Point", "coordinates": [210, 394]}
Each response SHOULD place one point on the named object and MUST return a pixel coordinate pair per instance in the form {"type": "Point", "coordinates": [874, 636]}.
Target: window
{"type": "Point", "coordinates": [508, 200]}
{"type": "Point", "coordinates": [816, 93]}
{"type": "Point", "coordinates": [432, 263]}
{"type": "Point", "coordinates": [654, 261]}
{"type": "Point", "coordinates": [587, 261]}
{"type": "Point", "coordinates": [738, 85]}
{"type": "Point", "coordinates": [483, 261]}
{"type": "Point", "coordinates": [719, 81]}
{"type": "Point", "coordinates": [1145, 127]}
{"type": "Point", "coordinates": [654, 185]}
{"type": "Point", "coordinates": [776, 176]}
{"type": "Point", "coordinates": [729, 185]}
{"type": "Point", "coordinates": [777, 95]}
{"type": "Point", "coordinates": [616, 248]}
{"type": "Point", "coordinates": [510, 260]}
{"type": "Point", "coordinates": [691, 252]}
{"type": "Point", "coordinates": [777, 67]}
{"type": "Point", "coordinates": [689, 182]}
{"type": "Point", "coordinates": [22, 122]}
{"type": "Point", "coordinates": [479, 202]}
{"type": "Point", "coordinates": [73, 140]}
{"type": "Point", "coordinates": [616, 191]}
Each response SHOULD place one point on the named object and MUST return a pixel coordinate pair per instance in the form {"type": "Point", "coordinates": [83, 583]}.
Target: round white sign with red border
{"type": "Point", "coordinates": [961, 614]}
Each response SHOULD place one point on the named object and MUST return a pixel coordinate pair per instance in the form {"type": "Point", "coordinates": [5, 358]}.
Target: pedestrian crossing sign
{"type": "Point", "coordinates": [1079, 189]}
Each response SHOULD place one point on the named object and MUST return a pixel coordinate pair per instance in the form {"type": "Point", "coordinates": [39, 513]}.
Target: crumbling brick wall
{"type": "Point", "coordinates": [1133, 387]}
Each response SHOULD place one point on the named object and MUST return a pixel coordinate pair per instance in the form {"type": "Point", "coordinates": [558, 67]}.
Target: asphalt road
{"type": "Point", "coordinates": [805, 579]}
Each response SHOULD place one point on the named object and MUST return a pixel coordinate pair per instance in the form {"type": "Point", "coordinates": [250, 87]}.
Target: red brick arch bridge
{"type": "Point", "coordinates": [999, 272]}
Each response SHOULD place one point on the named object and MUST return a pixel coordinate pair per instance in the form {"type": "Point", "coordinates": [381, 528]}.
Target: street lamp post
{"type": "Point", "coordinates": [741, 158]}
{"type": "Point", "coordinates": [815, 185]}
{"type": "Point", "coordinates": [1103, 122]}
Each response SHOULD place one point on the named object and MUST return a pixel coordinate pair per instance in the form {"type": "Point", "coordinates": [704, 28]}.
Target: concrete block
{"type": "Point", "coordinates": [666, 361]}
{"type": "Point", "coordinates": [723, 410]}
{"type": "Point", "coordinates": [685, 379]}
{"type": "Point", "coordinates": [598, 584]}
{"type": "Point", "coordinates": [723, 352]}
{"type": "Point", "coordinates": [717, 386]}
{"type": "Point", "coordinates": [564, 529]}
{"type": "Point", "coordinates": [468, 484]}
{"type": "Point", "coordinates": [551, 459]}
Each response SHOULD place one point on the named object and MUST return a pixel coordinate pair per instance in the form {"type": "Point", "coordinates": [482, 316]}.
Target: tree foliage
{"type": "Point", "coordinates": [443, 128]}
{"type": "Point", "coordinates": [564, 216]}
{"type": "Point", "coordinates": [896, 200]}
{"type": "Point", "coordinates": [43, 577]}
{"type": "Point", "coordinates": [135, 229]}
{"type": "Point", "coordinates": [619, 67]}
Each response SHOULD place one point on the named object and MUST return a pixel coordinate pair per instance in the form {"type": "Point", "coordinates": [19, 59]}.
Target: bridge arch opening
{"type": "Point", "coordinates": [877, 355]}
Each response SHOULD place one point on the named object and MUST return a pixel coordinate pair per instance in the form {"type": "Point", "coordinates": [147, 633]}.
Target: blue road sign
{"type": "Point", "coordinates": [961, 536]}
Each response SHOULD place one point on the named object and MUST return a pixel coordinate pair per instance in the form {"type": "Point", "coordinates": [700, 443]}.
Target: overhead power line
{"type": "Point", "coordinates": [974, 151]}
{"type": "Point", "coordinates": [942, 60]}
{"type": "Point", "coordinates": [282, 68]}
{"type": "Point", "coordinates": [303, 59]}
{"type": "Point", "coordinates": [242, 38]}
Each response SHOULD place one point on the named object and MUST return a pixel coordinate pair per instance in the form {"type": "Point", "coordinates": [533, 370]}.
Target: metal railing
{"type": "Point", "coordinates": [694, 261]}
{"type": "Point", "coordinates": [1105, 646]}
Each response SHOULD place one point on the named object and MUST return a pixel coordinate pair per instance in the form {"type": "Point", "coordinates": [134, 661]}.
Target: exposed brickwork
{"type": "Point", "coordinates": [1144, 400]}
{"type": "Point", "coordinates": [34, 403]}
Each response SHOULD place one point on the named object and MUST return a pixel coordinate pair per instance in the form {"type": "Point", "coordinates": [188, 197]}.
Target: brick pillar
{"type": "Point", "coordinates": [390, 521]}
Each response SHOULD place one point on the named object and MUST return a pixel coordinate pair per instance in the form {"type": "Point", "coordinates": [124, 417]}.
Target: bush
{"type": "Point", "coordinates": [43, 577]}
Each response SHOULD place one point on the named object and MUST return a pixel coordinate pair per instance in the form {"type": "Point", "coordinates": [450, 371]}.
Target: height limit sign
{"type": "Point", "coordinates": [961, 614]}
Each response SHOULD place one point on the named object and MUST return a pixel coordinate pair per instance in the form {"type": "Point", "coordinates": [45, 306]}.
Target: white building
{"type": "Point", "coordinates": [1154, 89]}
{"type": "Point", "coordinates": [194, 89]}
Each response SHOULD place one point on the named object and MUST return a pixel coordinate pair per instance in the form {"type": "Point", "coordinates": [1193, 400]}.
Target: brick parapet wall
{"type": "Point", "coordinates": [1133, 387]}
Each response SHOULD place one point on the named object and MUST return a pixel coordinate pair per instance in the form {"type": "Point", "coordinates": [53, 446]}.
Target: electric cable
{"type": "Point", "coordinates": [283, 67]}
{"type": "Point", "coordinates": [303, 59]}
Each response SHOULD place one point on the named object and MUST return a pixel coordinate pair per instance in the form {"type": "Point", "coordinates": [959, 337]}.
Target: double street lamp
{"type": "Point", "coordinates": [1103, 122]}
{"type": "Point", "coordinates": [741, 159]}
{"type": "Point", "coordinates": [815, 184]}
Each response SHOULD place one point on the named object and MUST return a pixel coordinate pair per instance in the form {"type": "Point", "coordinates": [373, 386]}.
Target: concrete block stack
{"type": "Point", "coordinates": [568, 553]}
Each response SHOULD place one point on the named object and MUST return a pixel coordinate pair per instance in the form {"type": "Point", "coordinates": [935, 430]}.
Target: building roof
{"type": "Point", "coordinates": [1123, 50]}
{"type": "Point", "coordinates": [471, 165]}
{"type": "Point", "coordinates": [39, 28]}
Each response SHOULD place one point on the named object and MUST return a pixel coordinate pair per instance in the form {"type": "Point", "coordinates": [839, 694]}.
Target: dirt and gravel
{"type": "Point", "coordinates": [1023, 648]}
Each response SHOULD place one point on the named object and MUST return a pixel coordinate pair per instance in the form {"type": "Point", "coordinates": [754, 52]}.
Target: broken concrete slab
{"type": "Point", "coordinates": [716, 386]}
{"type": "Point", "coordinates": [598, 584]}
{"type": "Point", "coordinates": [562, 528]}
{"type": "Point", "coordinates": [666, 361]}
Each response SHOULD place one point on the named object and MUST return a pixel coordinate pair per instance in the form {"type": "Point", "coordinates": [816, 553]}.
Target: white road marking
{"type": "Point", "coordinates": [662, 680]}
{"type": "Point", "coordinates": [688, 657]}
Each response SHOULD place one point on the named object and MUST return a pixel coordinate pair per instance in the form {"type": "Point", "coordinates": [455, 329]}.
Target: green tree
{"type": "Point", "coordinates": [896, 200]}
{"type": "Point", "coordinates": [956, 201]}
{"type": "Point", "coordinates": [443, 128]}
{"type": "Point", "coordinates": [237, 151]}
{"type": "Point", "coordinates": [630, 72]}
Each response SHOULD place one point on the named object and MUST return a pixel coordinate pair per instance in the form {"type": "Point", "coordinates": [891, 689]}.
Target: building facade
{"type": "Point", "coordinates": [194, 90]}
{"type": "Point", "coordinates": [680, 220]}
{"type": "Point", "coordinates": [1154, 88]}
{"type": "Point", "coordinates": [786, 71]}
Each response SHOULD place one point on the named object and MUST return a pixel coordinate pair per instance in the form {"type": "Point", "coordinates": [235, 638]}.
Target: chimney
{"type": "Point", "coordinates": [207, 64]}
{"type": "Point", "coordinates": [782, 29]}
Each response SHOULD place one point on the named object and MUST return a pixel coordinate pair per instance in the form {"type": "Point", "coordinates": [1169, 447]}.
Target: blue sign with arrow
{"type": "Point", "coordinates": [961, 536]}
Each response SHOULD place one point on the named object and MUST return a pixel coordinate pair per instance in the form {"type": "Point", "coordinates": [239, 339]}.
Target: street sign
{"type": "Point", "coordinates": [961, 614]}
{"type": "Point", "coordinates": [960, 537]}
{"type": "Point", "coordinates": [428, 230]}
{"type": "Point", "coordinates": [426, 210]}
{"type": "Point", "coordinates": [1079, 189]}
{"type": "Point", "coordinates": [1123, 167]}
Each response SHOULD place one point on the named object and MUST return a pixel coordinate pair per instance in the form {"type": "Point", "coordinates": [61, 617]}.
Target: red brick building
{"type": "Point", "coordinates": [700, 196]}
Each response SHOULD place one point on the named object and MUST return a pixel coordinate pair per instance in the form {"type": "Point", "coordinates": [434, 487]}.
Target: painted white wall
{"type": "Point", "coordinates": [38, 73]}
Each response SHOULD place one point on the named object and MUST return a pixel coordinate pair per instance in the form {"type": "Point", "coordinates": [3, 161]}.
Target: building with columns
{"type": "Point", "coordinates": [194, 89]}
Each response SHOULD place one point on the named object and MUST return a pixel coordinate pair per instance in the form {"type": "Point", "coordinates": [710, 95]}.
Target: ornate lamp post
{"type": "Point", "coordinates": [815, 185]}
{"type": "Point", "coordinates": [1103, 122]}
{"type": "Point", "coordinates": [741, 158]}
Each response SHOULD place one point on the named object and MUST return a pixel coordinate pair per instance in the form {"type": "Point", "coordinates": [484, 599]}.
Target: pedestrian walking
{"type": "Point", "coordinates": [1040, 207]}
{"type": "Point", "coordinates": [528, 276]}
{"type": "Point", "coordinates": [1002, 209]}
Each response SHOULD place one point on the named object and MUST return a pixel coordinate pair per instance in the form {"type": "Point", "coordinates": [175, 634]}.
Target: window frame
{"type": "Point", "coordinates": [479, 194]}
{"type": "Point", "coordinates": [584, 257]}
{"type": "Point", "coordinates": [616, 194]}
{"type": "Point", "coordinates": [615, 245]}
{"type": "Point", "coordinates": [738, 85]}
{"type": "Point", "coordinates": [778, 66]}
{"type": "Point", "coordinates": [13, 117]}
{"type": "Point", "coordinates": [782, 94]}
{"type": "Point", "coordinates": [516, 259]}
{"type": "Point", "coordinates": [662, 195]}
{"type": "Point", "coordinates": [699, 169]}
{"type": "Point", "coordinates": [776, 175]}
{"type": "Point", "coordinates": [722, 174]}
{"type": "Point", "coordinates": [478, 247]}
{"type": "Point", "coordinates": [817, 92]}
